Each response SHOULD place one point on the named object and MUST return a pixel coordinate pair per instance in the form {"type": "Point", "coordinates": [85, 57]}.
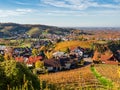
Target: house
{"type": "Point", "coordinates": [68, 62]}
{"type": "Point", "coordinates": [19, 59]}
{"type": "Point", "coordinates": [52, 65]}
{"type": "Point", "coordinates": [2, 48]}
{"type": "Point", "coordinates": [28, 61]}
{"type": "Point", "coordinates": [2, 52]}
{"type": "Point", "coordinates": [87, 53]}
{"type": "Point", "coordinates": [25, 52]}
{"type": "Point", "coordinates": [33, 59]}
{"type": "Point", "coordinates": [58, 54]}
{"type": "Point", "coordinates": [78, 51]}
{"type": "Point", "coordinates": [106, 57]}
{"type": "Point", "coordinates": [74, 60]}
{"type": "Point", "coordinates": [60, 63]}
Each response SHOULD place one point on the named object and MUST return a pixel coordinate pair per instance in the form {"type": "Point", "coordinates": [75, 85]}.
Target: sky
{"type": "Point", "coordinates": [64, 13]}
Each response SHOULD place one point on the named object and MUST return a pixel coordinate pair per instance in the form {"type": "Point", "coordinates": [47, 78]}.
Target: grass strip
{"type": "Point", "coordinates": [103, 80]}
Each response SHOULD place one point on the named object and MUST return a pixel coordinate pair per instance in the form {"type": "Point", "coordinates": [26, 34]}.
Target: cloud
{"type": "Point", "coordinates": [82, 13]}
{"type": "Point", "coordinates": [21, 3]}
{"type": "Point", "coordinates": [79, 4]}
{"type": "Point", "coordinates": [72, 4]}
{"type": "Point", "coordinates": [16, 12]}
{"type": "Point", "coordinates": [65, 13]}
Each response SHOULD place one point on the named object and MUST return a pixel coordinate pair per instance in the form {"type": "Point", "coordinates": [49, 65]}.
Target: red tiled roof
{"type": "Point", "coordinates": [107, 57]}
{"type": "Point", "coordinates": [19, 59]}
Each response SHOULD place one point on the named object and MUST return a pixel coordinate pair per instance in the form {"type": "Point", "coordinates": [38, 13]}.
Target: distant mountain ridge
{"type": "Point", "coordinates": [12, 29]}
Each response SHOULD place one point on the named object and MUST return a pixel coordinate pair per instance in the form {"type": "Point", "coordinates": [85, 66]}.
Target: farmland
{"type": "Point", "coordinates": [83, 78]}
{"type": "Point", "coordinates": [111, 72]}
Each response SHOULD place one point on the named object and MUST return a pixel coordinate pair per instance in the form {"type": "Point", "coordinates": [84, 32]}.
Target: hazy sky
{"type": "Point", "coordinates": [62, 12]}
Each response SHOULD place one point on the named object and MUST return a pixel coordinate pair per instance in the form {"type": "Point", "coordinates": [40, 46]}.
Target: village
{"type": "Point", "coordinates": [42, 57]}
{"type": "Point", "coordinates": [59, 61]}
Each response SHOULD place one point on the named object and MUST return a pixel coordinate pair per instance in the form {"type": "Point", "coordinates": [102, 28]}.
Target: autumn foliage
{"type": "Point", "coordinates": [72, 44]}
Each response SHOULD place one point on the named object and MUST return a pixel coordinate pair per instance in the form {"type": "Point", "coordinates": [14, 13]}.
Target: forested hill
{"type": "Point", "coordinates": [12, 29]}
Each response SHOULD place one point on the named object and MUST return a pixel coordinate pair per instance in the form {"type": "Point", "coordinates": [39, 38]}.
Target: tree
{"type": "Point", "coordinates": [59, 40]}
{"type": "Point", "coordinates": [39, 68]}
{"type": "Point", "coordinates": [14, 73]}
{"type": "Point", "coordinates": [42, 53]}
{"type": "Point", "coordinates": [48, 54]}
{"type": "Point", "coordinates": [1, 58]}
{"type": "Point", "coordinates": [34, 52]}
{"type": "Point", "coordinates": [39, 64]}
{"type": "Point", "coordinates": [67, 50]}
{"type": "Point", "coordinates": [8, 53]}
{"type": "Point", "coordinates": [2, 79]}
{"type": "Point", "coordinates": [8, 56]}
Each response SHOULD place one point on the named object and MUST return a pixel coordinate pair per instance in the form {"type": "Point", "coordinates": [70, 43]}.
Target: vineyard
{"type": "Point", "coordinates": [72, 44]}
{"type": "Point", "coordinates": [111, 72]}
{"type": "Point", "coordinates": [85, 79]}
{"type": "Point", "coordinates": [76, 79]}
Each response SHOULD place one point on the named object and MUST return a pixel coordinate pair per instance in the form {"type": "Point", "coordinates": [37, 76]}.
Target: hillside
{"type": "Point", "coordinates": [107, 70]}
{"type": "Point", "coordinates": [13, 29]}
{"type": "Point", "coordinates": [76, 79]}
{"type": "Point", "coordinates": [85, 78]}
{"type": "Point", "coordinates": [72, 44]}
